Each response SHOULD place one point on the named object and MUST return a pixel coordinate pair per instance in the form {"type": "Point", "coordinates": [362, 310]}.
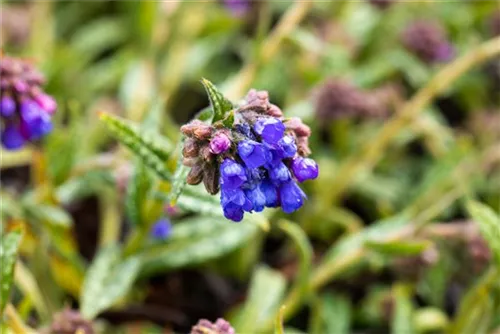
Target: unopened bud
{"type": "Point", "coordinates": [211, 179]}
{"type": "Point", "coordinates": [203, 132]}
{"type": "Point", "coordinates": [221, 326]}
{"type": "Point", "coordinates": [303, 146]}
{"type": "Point", "coordinates": [295, 124]}
{"type": "Point", "coordinates": [220, 143]}
{"type": "Point", "coordinates": [188, 129]}
{"type": "Point", "coordinates": [191, 148]}
{"type": "Point", "coordinates": [195, 175]}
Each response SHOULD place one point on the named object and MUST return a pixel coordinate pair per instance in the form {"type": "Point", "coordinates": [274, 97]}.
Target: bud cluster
{"type": "Point", "coordinates": [427, 40]}
{"type": "Point", "coordinates": [338, 98]}
{"type": "Point", "coordinates": [25, 110]}
{"type": "Point", "coordinates": [69, 322]}
{"type": "Point", "coordinates": [255, 161]}
{"type": "Point", "coordinates": [220, 326]}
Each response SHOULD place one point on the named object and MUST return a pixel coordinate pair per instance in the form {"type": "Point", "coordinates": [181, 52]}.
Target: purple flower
{"type": "Point", "coordinates": [270, 129]}
{"type": "Point", "coordinates": [12, 138]}
{"type": "Point", "coordinates": [254, 154]}
{"type": "Point", "coordinates": [237, 7]}
{"type": "Point", "coordinates": [291, 197]}
{"type": "Point", "coordinates": [245, 130]}
{"type": "Point", "coordinates": [444, 52]}
{"type": "Point", "coordinates": [304, 169]}
{"type": "Point", "coordinates": [279, 173]}
{"type": "Point", "coordinates": [35, 122]}
{"type": "Point", "coordinates": [220, 143]}
{"type": "Point", "coordinates": [162, 229]}
{"type": "Point", "coordinates": [46, 102]}
{"type": "Point", "coordinates": [7, 106]}
{"type": "Point", "coordinates": [232, 174]}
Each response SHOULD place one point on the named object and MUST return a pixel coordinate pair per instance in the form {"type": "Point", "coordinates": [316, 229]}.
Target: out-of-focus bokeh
{"type": "Point", "coordinates": [400, 233]}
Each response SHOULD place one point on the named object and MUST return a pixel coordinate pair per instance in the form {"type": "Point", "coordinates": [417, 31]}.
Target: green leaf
{"type": "Point", "coordinates": [220, 104]}
{"type": "Point", "coordinates": [403, 310]}
{"type": "Point", "coordinates": [264, 298]}
{"type": "Point", "coordinates": [489, 224]}
{"type": "Point", "coordinates": [196, 199]}
{"type": "Point", "coordinates": [137, 192]}
{"type": "Point", "coordinates": [179, 178]}
{"type": "Point", "coordinates": [8, 252]}
{"type": "Point", "coordinates": [479, 306]}
{"type": "Point", "coordinates": [107, 280]}
{"type": "Point", "coordinates": [152, 148]}
{"type": "Point", "coordinates": [398, 247]}
{"type": "Point", "coordinates": [196, 240]}
{"type": "Point", "coordinates": [305, 251]}
{"type": "Point", "coordinates": [49, 214]}
{"type": "Point", "coordinates": [278, 325]}
{"type": "Point", "coordinates": [335, 313]}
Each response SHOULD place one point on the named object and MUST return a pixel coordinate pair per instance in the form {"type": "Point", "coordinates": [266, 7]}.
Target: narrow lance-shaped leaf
{"type": "Point", "coordinates": [305, 251]}
{"type": "Point", "coordinates": [8, 252]}
{"type": "Point", "coordinates": [107, 280]}
{"type": "Point", "coordinates": [179, 178]}
{"type": "Point", "coordinates": [266, 292]}
{"type": "Point", "coordinates": [220, 104]}
{"type": "Point", "coordinates": [193, 241]}
{"type": "Point", "coordinates": [489, 224]}
{"type": "Point", "coordinates": [137, 191]}
{"type": "Point", "coordinates": [153, 149]}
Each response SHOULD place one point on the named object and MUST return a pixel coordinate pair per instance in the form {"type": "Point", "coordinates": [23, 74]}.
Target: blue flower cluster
{"type": "Point", "coordinates": [265, 171]}
{"type": "Point", "coordinates": [25, 111]}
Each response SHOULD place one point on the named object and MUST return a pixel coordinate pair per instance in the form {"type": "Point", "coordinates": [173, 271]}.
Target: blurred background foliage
{"type": "Point", "coordinates": [393, 237]}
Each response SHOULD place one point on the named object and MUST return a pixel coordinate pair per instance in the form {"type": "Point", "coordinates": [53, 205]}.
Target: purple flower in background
{"type": "Point", "coordinates": [427, 40]}
{"type": "Point", "coordinates": [221, 326]}
{"type": "Point", "coordinates": [12, 138]}
{"type": "Point", "coordinates": [304, 169]}
{"type": "Point", "coordinates": [237, 7]}
{"type": "Point", "coordinates": [161, 230]}
{"type": "Point", "coordinates": [25, 110]}
{"type": "Point", "coordinates": [220, 143]}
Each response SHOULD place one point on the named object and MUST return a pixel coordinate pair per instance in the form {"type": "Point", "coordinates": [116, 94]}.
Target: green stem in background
{"type": "Point", "coordinates": [238, 85]}
{"type": "Point", "coordinates": [109, 232]}
{"type": "Point", "coordinates": [29, 286]}
{"type": "Point", "coordinates": [15, 323]}
{"type": "Point", "coordinates": [375, 148]}
{"type": "Point", "coordinates": [329, 270]}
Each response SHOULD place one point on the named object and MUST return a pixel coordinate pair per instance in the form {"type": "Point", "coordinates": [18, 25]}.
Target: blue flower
{"type": "Point", "coordinates": [279, 173]}
{"type": "Point", "coordinates": [234, 202]}
{"type": "Point", "coordinates": [12, 138]}
{"type": "Point", "coordinates": [253, 154]}
{"type": "Point", "coordinates": [287, 146]}
{"type": "Point", "coordinates": [245, 130]}
{"type": "Point", "coordinates": [270, 129]}
{"type": "Point", "coordinates": [162, 229]}
{"type": "Point", "coordinates": [304, 169]}
{"type": "Point", "coordinates": [7, 106]}
{"type": "Point", "coordinates": [270, 193]}
{"type": "Point", "coordinates": [257, 197]}
{"type": "Point", "coordinates": [35, 122]}
{"type": "Point", "coordinates": [232, 174]}
{"type": "Point", "coordinates": [291, 197]}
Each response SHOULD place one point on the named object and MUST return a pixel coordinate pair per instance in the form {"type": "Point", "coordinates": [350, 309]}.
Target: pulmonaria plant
{"type": "Point", "coordinates": [254, 156]}
{"type": "Point", "coordinates": [427, 40]}
{"type": "Point", "coordinates": [25, 110]}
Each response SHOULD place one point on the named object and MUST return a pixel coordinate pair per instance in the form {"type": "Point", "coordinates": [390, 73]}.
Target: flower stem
{"type": "Point", "coordinates": [374, 149]}
{"type": "Point", "coordinates": [14, 321]}
{"type": "Point", "coordinates": [268, 49]}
